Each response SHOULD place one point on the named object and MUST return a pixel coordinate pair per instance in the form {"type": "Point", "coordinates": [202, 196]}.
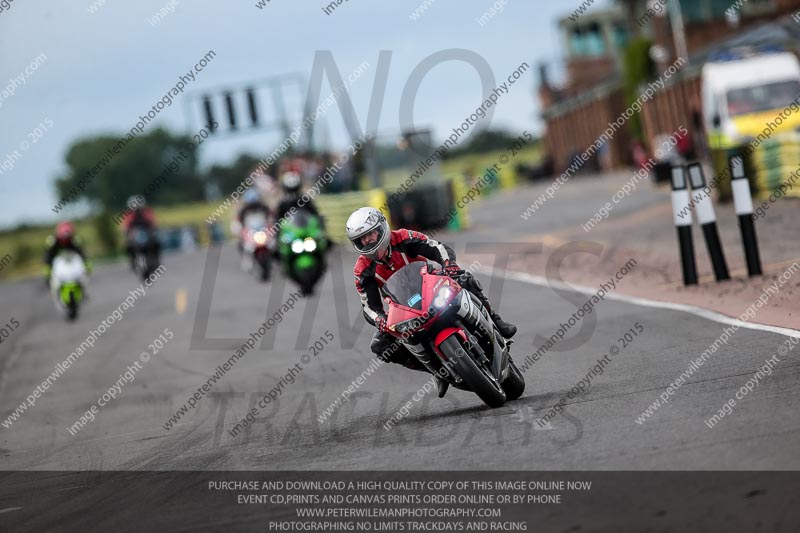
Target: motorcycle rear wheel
{"type": "Point", "coordinates": [478, 379]}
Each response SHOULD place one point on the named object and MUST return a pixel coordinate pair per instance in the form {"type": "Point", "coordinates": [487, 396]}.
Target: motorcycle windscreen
{"type": "Point", "coordinates": [304, 223]}
{"type": "Point", "coordinates": [304, 218]}
{"type": "Point", "coordinates": [405, 286]}
{"type": "Point", "coordinates": [68, 266]}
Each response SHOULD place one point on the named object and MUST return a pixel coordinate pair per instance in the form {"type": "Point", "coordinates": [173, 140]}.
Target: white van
{"type": "Point", "coordinates": [743, 93]}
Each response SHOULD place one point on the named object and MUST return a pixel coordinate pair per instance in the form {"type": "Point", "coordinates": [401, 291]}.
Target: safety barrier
{"type": "Point", "coordinates": [699, 202]}
{"type": "Point", "coordinates": [774, 162]}
{"type": "Point", "coordinates": [337, 207]}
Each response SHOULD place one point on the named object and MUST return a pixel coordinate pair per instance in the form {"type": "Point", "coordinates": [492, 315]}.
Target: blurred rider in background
{"type": "Point", "coordinates": [252, 203]}
{"type": "Point", "coordinates": [291, 185]}
{"type": "Point", "coordinates": [139, 215]}
{"type": "Point", "coordinates": [63, 239]}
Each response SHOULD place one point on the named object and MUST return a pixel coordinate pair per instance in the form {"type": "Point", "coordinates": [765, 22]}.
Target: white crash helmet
{"type": "Point", "coordinates": [135, 202]}
{"type": "Point", "coordinates": [291, 182]}
{"type": "Point", "coordinates": [363, 221]}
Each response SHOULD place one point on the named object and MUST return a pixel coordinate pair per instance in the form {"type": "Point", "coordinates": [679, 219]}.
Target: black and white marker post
{"type": "Point", "coordinates": [708, 221]}
{"type": "Point", "coordinates": [680, 203]}
{"type": "Point", "coordinates": [743, 203]}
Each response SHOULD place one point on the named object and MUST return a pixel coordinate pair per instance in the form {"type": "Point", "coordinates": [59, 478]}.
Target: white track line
{"type": "Point", "coordinates": [644, 302]}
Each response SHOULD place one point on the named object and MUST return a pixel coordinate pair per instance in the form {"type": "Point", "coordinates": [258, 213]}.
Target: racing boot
{"type": "Point", "coordinates": [506, 329]}
{"type": "Point", "coordinates": [442, 385]}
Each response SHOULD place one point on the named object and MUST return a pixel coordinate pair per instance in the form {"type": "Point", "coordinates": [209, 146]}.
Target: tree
{"type": "Point", "coordinates": [159, 165]}
{"type": "Point", "coordinates": [107, 232]}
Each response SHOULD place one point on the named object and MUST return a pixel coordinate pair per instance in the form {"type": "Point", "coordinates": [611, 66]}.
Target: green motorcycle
{"type": "Point", "coordinates": [67, 281]}
{"type": "Point", "coordinates": [302, 246]}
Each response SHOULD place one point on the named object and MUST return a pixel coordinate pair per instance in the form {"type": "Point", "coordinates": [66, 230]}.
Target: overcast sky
{"type": "Point", "coordinates": [104, 69]}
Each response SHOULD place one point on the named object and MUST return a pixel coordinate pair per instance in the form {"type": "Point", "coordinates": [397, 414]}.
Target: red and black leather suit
{"type": "Point", "coordinates": [405, 246]}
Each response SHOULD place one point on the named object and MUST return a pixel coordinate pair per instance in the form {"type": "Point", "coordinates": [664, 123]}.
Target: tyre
{"type": "Point", "coordinates": [263, 266]}
{"type": "Point", "coordinates": [307, 280]}
{"type": "Point", "coordinates": [151, 263]}
{"type": "Point", "coordinates": [514, 384]}
{"type": "Point", "coordinates": [139, 264]}
{"type": "Point", "coordinates": [72, 307]}
{"type": "Point", "coordinates": [475, 376]}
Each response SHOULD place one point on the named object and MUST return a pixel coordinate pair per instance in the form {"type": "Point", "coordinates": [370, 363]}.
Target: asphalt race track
{"type": "Point", "coordinates": [211, 307]}
{"type": "Point", "coordinates": [598, 429]}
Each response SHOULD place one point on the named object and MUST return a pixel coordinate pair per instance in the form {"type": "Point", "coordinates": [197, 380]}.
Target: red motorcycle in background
{"type": "Point", "coordinates": [450, 332]}
{"type": "Point", "coordinates": [255, 246]}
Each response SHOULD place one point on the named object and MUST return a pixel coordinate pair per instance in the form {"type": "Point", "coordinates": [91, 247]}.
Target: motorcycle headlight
{"type": "Point", "coordinates": [442, 297]}
{"type": "Point", "coordinates": [410, 325]}
{"type": "Point", "coordinates": [309, 244]}
{"type": "Point", "coordinates": [297, 246]}
{"type": "Point", "coordinates": [260, 237]}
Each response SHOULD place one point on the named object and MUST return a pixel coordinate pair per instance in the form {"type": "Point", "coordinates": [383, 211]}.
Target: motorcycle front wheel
{"type": "Point", "coordinates": [478, 378]}
{"type": "Point", "coordinates": [72, 307]}
{"type": "Point", "coordinates": [264, 266]}
{"type": "Point", "coordinates": [514, 384]}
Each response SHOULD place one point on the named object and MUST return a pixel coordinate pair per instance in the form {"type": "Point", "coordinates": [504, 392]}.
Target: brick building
{"type": "Point", "coordinates": [577, 113]}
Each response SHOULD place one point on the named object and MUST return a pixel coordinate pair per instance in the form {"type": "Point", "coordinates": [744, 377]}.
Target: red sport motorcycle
{"type": "Point", "coordinates": [450, 332]}
{"type": "Point", "coordinates": [255, 246]}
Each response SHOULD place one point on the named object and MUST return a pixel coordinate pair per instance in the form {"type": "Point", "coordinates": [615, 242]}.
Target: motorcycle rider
{"type": "Point", "coordinates": [139, 215]}
{"type": "Point", "coordinates": [64, 238]}
{"type": "Point", "coordinates": [291, 184]}
{"type": "Point", "coordinates": [252, 203]}
{"type": "Point", "coordinates": [383, 251]}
